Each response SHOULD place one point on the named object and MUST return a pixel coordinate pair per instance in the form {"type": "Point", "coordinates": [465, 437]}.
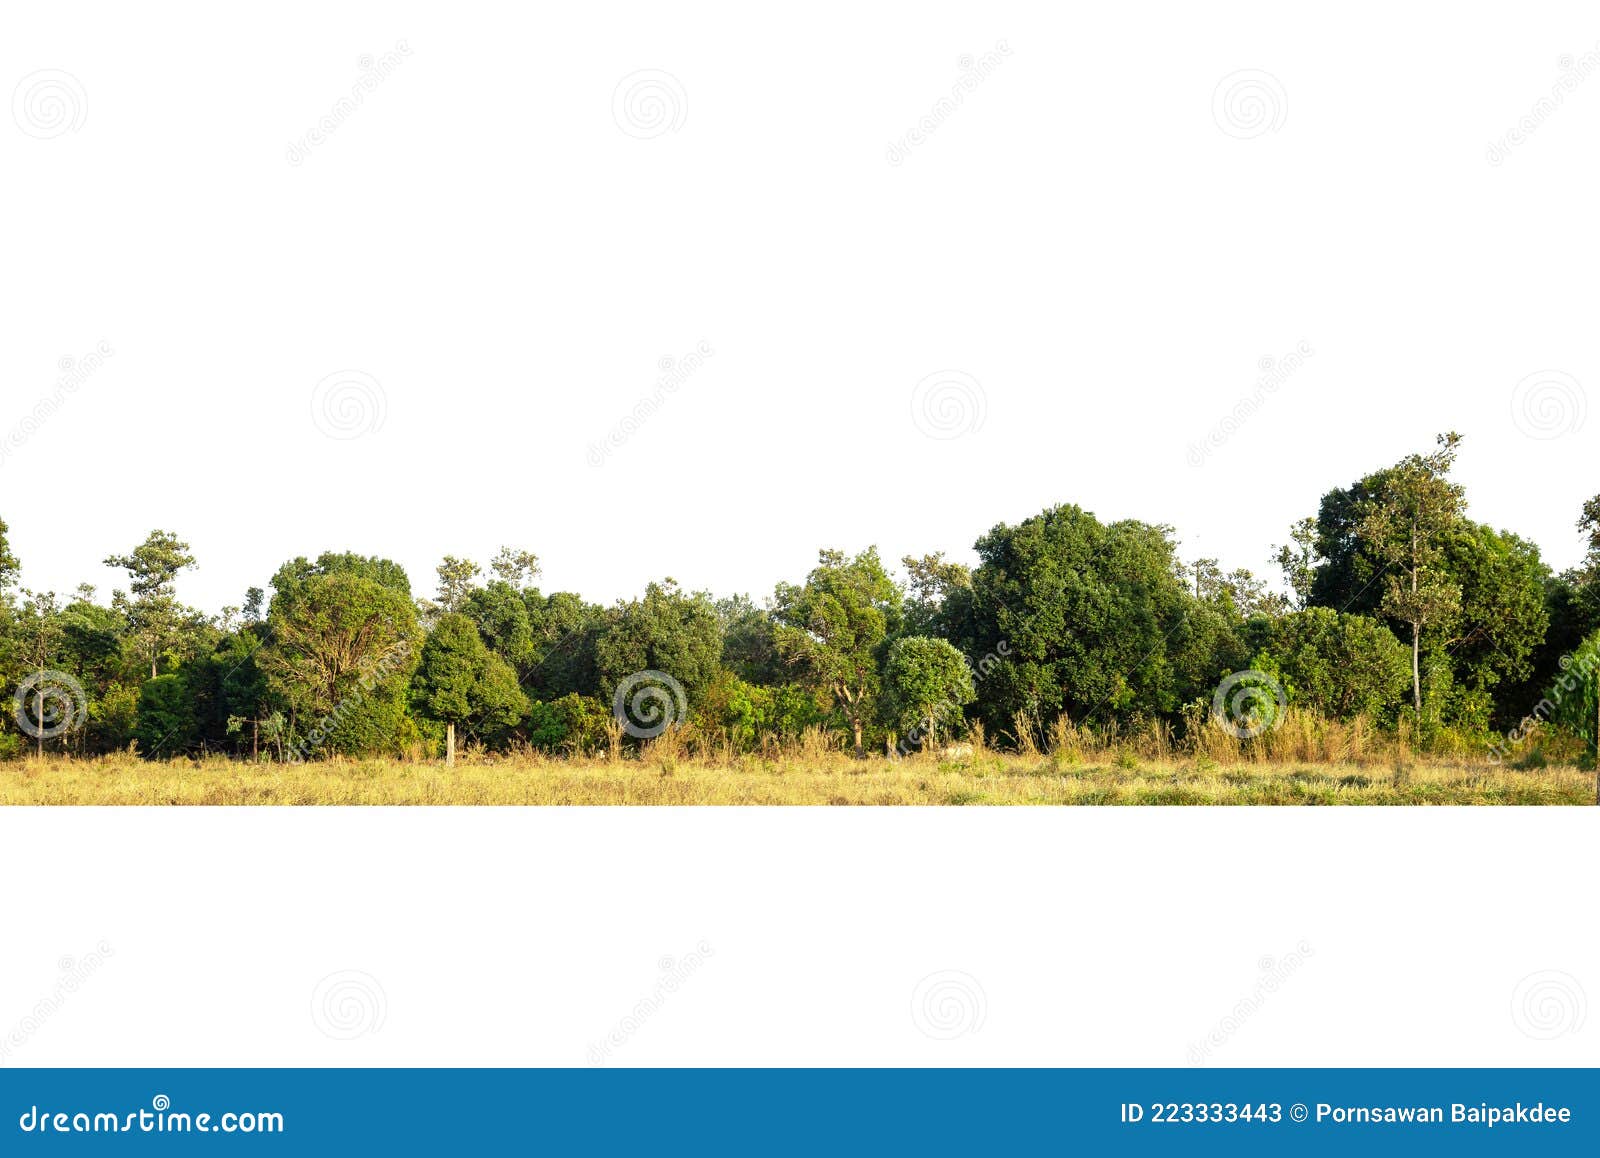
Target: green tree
{"type": "Point", "coordinates": [1404, 527]}
{"type": "Point", "coordinates": [1083, 614]}
{"type": "Point", "coordinates": [340, 654]}
{"type": "Point", "coordinates": [459, 680]}
{"type": "Point", "coordinates": [9, 567]}
{"type": "Point", "coordinates": [457, 580]}
{"type": "Point", "coordinates": [383, 572]}
{"type": "Point", "coordinates": [40, 634]}
{"type": "Point", "coordinates": [517, 568]}
{"type": "Point", "coordinates": [749, 649]}
{"type": "Point", "coordinates": [930, 583]}
{"type": "Point", "coordinates": [1576, 696]}
{"type": "Point", "coordinates": [155, 618]}
{"type": "Point", "coordinates": [669, 631]}
{"type": "Point", "coordinates": [1340, 666]}
{"type": "Point", "coordinates": [926, 684]}
{"type": "Point", "coordinates": [165, 722]}
{"type": "Point", "coordinates": [834, 627]}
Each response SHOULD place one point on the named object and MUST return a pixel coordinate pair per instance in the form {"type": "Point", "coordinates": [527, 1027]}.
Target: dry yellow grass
{"type": "Point", "coordinates": [794, 779]}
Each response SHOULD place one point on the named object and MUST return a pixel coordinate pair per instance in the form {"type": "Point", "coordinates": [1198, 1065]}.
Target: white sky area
{"type": "Point", "coordinates": [1090, 242]}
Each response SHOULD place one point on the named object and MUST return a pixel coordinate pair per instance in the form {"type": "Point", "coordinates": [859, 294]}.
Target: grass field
{"type": "Point", "coordinates": [826, 779]}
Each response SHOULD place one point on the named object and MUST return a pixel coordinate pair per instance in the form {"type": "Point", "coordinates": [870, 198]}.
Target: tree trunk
{"type": "Point", "coordinates": [1416, 669]}
{"type": "Point", "coordinates": [255, 741]}
{"type": "Point", "coordinates": [855, 726]}
{"type": "Point", "coordinates": [38, 711]}
{"type": "Point", "coordinates": [449, 745]}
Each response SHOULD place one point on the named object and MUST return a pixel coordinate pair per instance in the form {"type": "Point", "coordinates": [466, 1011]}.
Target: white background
{"type": "Point", "coordinates": [1104, 253]}
{"type": "Point", "coordinates": [526, 937]}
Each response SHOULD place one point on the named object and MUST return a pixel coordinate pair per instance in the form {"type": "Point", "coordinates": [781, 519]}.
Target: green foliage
{"type": "Point", "coordinates": [1576, 694]}
{"type": "Point", "coordinates": [1340, 666]}
{"type": "Point", "coordinates": [926, 684]}
{"type": "Point", "coordinates": [571, 724]}
{"type": "Point", "coordinates": [460, 681]}
{"type": "Point", "coordinates": [1063, 616]}
{"type": "Point", "coordinates": [833, 630]}
{"type": "Point", "coordinates": [155, 617]}
{"type": "Point", "coordinates": [932, 584]}
{"type": "Point", "coordinates": [749, 647]}
{"type": "Point", "coordinates": [165, 722]}
{"type": "Point", "coordinates": [457, 580]}
{"type": "Point", "coordinates": [339, 658]}
{"type": "Point", "coordinates": [1085, 612]}
{"type": "Point", "coordinates": [666, 631]}
{"type": "Point", "coordinates": [383, 572]}
{"type": "Point", "coordinates": [9, 567]}
{"type": "Point", "coordinates": [566, 636]}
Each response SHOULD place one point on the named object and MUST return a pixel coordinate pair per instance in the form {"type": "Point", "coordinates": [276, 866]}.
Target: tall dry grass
{"type": "Point", "coordinates": [664, 774]}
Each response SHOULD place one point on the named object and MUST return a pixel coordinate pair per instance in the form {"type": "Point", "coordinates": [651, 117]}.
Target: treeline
{"type": "Point", "coordinates": [1396, 608]}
